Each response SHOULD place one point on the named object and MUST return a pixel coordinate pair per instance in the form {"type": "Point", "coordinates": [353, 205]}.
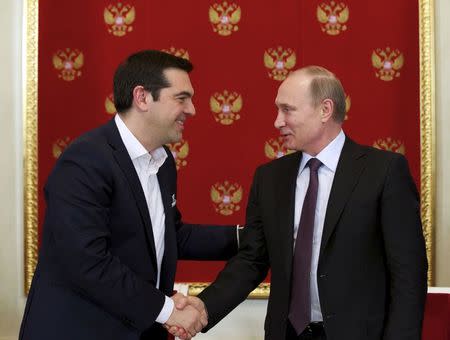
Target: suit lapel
{"type": "Point", "coordinates": [169, 260]}
{"type": "Point", "coordinates": [123, 159]}
{"type": "Point", "coordinates": [350, 166]}
{"type": "Point", "coordinates": [286, 208]}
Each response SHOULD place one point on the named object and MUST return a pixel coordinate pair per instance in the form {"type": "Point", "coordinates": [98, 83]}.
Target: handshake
{"type": "Point", "coordinates": [188, 317]}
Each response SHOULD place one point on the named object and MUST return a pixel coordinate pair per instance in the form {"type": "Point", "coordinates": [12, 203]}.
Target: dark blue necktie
{"type": "Point", "coordinates": [300, 304]}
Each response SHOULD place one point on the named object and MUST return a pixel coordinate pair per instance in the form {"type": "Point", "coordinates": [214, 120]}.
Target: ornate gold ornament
{"type": "Point", "coordinates": [226, 197]}
{"type": "Point", "coordinates": [333, 16]}
{"type": "Point", "coordinates": [109, 105]}
{"type": "Point", "coordinates": [348, 105]}
{"type": "Point", "coordinates": [224, 17]}
{"type": "Point", "coordinates": [59, 146]}
{"type": "Point", "coordinates": [68, 62]}
{"type": "Point", "coordinates": [177, 52]}
{"type": "Point", "coordinates": [30, 142]}
{"type": "Point", "coordinates": [226, 106]}
{"type": "Point", "coordinates": [259, 293]}
{"type": "Point", "coordinates": [388, 63]}
{"type": "Point", "coordinates": [274, 148]}
{"type": "Point", "coordinates": [390, 144]}
{"type": "Point", "coordinates": [427, 128]}
{"type": "Point", "coordinates": [180, 150]}
{"type": "Point", "coordinates": [279, 61]}
{"type": "Point", "coordinates": [119, 18]}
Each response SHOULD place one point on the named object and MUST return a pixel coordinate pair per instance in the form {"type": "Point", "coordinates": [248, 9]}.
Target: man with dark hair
{"type": "Point", "coordinates": [338, 224]}
{"type": "Point", "coordinates": [112, 232]}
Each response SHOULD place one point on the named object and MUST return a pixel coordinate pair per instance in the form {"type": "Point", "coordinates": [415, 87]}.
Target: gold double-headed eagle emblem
{"type": "Point", "coordinates": [177, 52]}
{"type": "Point", "coordinates": [279, 61]}
{"type": "Point", "coordinates": [348, 105]}
{"type": "Point", "coordinates": [333, 17]}
{"type": "Point", "coordinates": [387, 63]}
{"type": "Point", "coordinates": [390, 144]}
{"type": "Point", "coordinates": [68, 63]}
{"type": "Point", "coordinates": [180, 151]}
{"type": "Point", "coordinates": [119, 18]}
{"type": "Point", "coordinates": [225, 106]}
{"type": "Point", "coordinates": [226, 197]}
{"type": "Point", "coordinates": [109, 104]}
{"type": "Point", "coordinates": [59, 146]}
{"type": "Point", "coordinates": [274, 148]}
{"type": "Point", "coordinates": [224, 17]}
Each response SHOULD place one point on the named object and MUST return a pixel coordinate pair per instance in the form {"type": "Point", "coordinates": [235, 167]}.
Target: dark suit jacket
{"type": "Point", "coordinates": [97, 269]}
{"type": "Point", "coordinates": [372, 264]}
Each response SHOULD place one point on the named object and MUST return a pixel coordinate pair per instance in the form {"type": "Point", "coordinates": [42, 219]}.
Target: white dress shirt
{"type": "Point", "coordinates": [329, 157]}
{"type": "Point", "coordinates": [147, 165]}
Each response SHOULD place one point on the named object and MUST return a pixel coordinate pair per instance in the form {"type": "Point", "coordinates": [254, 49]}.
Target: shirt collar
{"type": "Point", "coordinates": [329, 156]}
{"type": "Point", "coordinates": [135, 148]}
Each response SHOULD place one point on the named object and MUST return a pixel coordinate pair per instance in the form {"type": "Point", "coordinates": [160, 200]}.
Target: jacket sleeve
{"type": "Point", "coordinates": [78, 195]}
{"type": "Point", "coordinates": [205, 242]}
{"type": "Point", "coordinates": [405, 253]}
{"type": "Point", "coordinates": [244, 271]}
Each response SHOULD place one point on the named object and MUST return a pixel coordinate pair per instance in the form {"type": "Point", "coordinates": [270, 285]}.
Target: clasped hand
{"type": "Point", "coordinates": [189, 317]}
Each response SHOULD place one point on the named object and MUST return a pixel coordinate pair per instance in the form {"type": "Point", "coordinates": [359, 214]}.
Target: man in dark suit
{"type": "Point", "coordinates": [112, 232]}
{"type": "Point", "coordinates": [337, 223]}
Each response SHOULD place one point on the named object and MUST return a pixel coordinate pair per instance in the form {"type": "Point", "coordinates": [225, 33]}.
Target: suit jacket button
{"type": "Point", "coordinates": [321, 276]}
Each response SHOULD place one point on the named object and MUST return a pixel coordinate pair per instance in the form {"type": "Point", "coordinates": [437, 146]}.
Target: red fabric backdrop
{"type": "Point", "coordinates": [241, 51]}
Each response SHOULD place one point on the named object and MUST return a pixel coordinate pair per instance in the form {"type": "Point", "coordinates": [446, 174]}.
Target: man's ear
{"type": "Point", "coordinates": [326, 110]}
{"type": "Point", "coordinates": [140, 98]}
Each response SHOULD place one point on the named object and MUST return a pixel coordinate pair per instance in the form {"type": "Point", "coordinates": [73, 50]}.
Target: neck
{"type": "Point", "coordinates": [142, 133]}
{"type": "Point", "coordinates": [330, 133]}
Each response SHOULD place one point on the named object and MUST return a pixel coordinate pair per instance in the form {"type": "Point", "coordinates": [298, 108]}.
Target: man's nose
{"type": "Point", "coordinates": [190, 110]}
{"type": "Point", "coordinates": [279, 121]}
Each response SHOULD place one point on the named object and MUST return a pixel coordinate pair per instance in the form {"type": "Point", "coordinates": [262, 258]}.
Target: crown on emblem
{"type": "Point", "coordinates": [119, 18]}
{"type": "Point", "coordinates": [387, 63]}
{"type": "Point", "coordinates": [332, 17]}
{"type": "Point", "coordinates": [177, 52]}
{"type": "Point", "coordinates": [226, 197]}
{"type": "Point", "coordinates": [279, 61]}
{"type": "Point", "coordinates": [225, 106]}
{"type": "Point", "coordinates": [68, 63]}
{"type": "Point", "coordinates": [224, 17]}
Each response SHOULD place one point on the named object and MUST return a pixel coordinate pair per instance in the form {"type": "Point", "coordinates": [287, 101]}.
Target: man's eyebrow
{"type": "Point", "coordinates": [183, 94]}
{"type": "Point", "coordinates": [284, 105]}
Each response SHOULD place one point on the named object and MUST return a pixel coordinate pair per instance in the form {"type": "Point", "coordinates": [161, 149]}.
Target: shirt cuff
{"type": "Point", "coordinates": [166, 311]}
{"type": "Point", "coordinates": [238, 228]}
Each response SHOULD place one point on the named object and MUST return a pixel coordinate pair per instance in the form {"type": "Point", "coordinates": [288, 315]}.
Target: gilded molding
{"type": "Point", "coordinates": [260, 292]}
{"type": "Point", "coordinates": [30, 132]}
{"type": "Point", "coordinates": [427, 126]}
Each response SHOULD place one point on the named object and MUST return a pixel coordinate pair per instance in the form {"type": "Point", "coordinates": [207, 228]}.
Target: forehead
{"type": "Point", "coordinates": [293, 89]}
{"type": "Point", "coordinates": [179, 80]}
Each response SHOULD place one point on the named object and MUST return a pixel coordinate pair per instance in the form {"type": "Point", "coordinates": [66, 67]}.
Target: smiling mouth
{"type": "Point", "coordinates": [180, 123]}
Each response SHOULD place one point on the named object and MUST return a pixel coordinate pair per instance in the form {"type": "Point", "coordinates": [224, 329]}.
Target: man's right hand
{"type": "Point", "coordinates": [188, 317]}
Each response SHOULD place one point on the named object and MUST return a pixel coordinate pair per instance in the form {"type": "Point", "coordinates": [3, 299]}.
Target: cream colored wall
{"type": "Point", "coordinates": [246, 322]}
{"type": "Point", "coordinates": [11, 296]}
{"type": "Point", "coordinates": [442, 235]}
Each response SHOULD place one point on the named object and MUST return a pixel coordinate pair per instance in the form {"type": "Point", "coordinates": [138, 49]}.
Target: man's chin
{"type": "Point", "coordinates": [288, 144]}
{"type": "Point", "coordinates": [175, 138]}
